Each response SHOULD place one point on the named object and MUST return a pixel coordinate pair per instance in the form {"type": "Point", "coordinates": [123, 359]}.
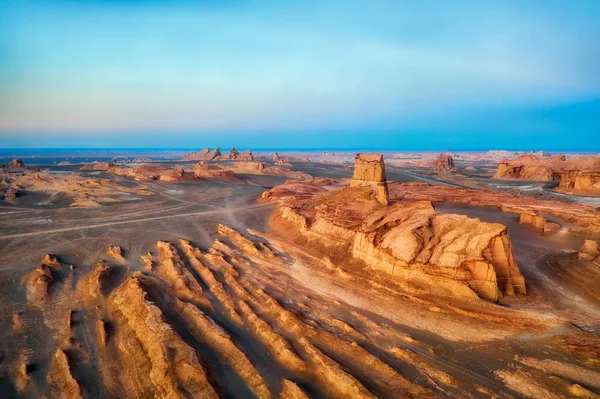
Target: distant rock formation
{"type": "Point", "coordinates": [153, 172]}
{"type": "Point", "coordinates": [369, 170]}
{"type": "Point", "coordinates": [211, 171]}
{"type": "Point", "coordinates": [576, 175]}
{"type": "Point", "coordinates": [538, 222]}
{"type": "Point", "coordinates": [216, 155]}
{"type": "Point", "coordinates": [202, 155]}
{"type": "Point", "coordinates": [261, 168]}
{"type": "Point", "coordinates": [16, 165]}
{"type": "Point", "coordinates": [99, 166]}
{"type": "Point", "coordinates": [445, 162]}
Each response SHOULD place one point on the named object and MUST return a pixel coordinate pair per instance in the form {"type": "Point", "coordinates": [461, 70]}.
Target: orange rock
{"type": "Point", "coordinates": [589, 251]}
{"type": "Point", "coordinates": [369, 170]}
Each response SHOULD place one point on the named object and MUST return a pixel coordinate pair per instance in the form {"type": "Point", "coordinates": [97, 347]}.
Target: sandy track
{"type": "Point", "coordinates": [250, 207]}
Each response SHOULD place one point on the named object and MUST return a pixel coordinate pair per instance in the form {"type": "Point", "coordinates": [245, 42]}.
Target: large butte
{"type": "Point", "coordinates": [369, 170]}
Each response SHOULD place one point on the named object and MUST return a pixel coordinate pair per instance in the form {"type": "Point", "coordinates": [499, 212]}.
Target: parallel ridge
{"type": "Point", "coordinates": [230, 322]}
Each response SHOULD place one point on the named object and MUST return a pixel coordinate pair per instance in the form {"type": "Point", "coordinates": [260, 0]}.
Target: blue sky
{"type": "Point", "coordinates": [264, 73]}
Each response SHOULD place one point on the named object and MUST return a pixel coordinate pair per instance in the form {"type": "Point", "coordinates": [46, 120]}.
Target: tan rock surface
{"type": "Point", "coordinates": [410, 241]}
{"type": "Point", "coordinates": [538, 223]}
{"type": "Point", "coordinates": [576, 175]}
{"type": "Point", "coordinates": [590, 251]}
{"type": "Point", "coordinates": [261, 168]}
{"type": "Point", "coordinates": [369, 171]}
{"type": "Point", "coordinates": [102, 166]}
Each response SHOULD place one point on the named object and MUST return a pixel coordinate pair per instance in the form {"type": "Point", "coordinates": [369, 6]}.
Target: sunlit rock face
{"type": "Point", "coordinates": [580, 176]}
{"type": "Point", "coordinates": [451, 255]}
{"type": "Point", "coordinates": [369, 171]}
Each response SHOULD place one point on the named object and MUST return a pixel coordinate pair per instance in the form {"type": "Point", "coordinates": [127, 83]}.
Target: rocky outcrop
{"type": "Point", "coordinates": [530, 167]}
{"type": "Point", "coordinates": [445, 162]}
{"type": "Point", "coordinates": [101, 166]}
{"type": "Point", "coordinates": [261, 168]}
{"type": "Point", "coordinates": [154, 172]}
{"type": "Point", "coordinates": [286, 159]}
{"type": "Point", "coordinates": [450, 254]}
{"type": "Point", "coordinates": [590, 251]}
{"type": "Point", "coordinates": [216, 155]}
{"type": "Point", "coordinates": [202, 155]}
{"type": "Point", "coordinates": [39, 281]}
{"type": "Point", "coordinates": [173, 366]}
{"type": "Point", "coordinates": [576, 175]}
{"type": "Point", "coordinates": [580, 182]}
{"type": "Point", "coordinates": [538, 223]}
{"type": "Point", "coordinates": [16, 165]}
{"type": "Point", "coordinates": [205, 170]}
{"type": "Point", "coordinates": [580, 214]}
{"type": "Point", "coordinates": [369, 171]}
{"type": "Point", "coordinates": [115, 252]}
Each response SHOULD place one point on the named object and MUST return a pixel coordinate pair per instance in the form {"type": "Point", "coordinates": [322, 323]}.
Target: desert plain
{"type": "Point", "coordinates": [241, 274]}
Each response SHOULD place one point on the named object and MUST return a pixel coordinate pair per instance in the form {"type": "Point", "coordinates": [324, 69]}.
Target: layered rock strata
{"type": "Point", "coordinates": [369, 171]}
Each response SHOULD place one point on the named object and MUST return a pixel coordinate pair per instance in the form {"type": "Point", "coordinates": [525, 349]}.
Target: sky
{"type": "Point", "coordinates": [512, 74]}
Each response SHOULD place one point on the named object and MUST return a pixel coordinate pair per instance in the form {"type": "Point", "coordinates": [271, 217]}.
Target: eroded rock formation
{"type": "Point", "coordinates": [449, 254]}
{"type": "Point", "coordinates": [590, 251]}
{"type": "Point", "coordinates": [445, 162]}
{"type": "Point", "coordinates": [576, 175]}
{"type": "Point", "coordinates": [211, 171]}
{"type": "Point", "coordinates": [261, 168]}
{"type": "Point", "coordinates": [369, 171]}
{"type": "Point", "coordinates": [580, 182]}
{"type": "Point", "coordinates": [153, 172]}
{"type": "Point", "coordinates": [538, 222]}
{"type": "Point", "coordinates": [101, 166]}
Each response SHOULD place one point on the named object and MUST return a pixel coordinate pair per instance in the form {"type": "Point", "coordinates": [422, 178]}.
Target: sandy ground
{"type": "Point", "coordinates": [486, 350]}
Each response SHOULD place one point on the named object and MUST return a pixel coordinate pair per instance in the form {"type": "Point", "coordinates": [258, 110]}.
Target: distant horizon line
{"type": "Point", "coordinates": [271, 149]}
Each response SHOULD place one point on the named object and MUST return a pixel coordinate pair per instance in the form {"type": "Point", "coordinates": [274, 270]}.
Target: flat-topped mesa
{"type": "Point", "coordinates": [369, 170]}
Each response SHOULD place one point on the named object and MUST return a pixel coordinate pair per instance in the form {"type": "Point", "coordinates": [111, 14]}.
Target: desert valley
{"type": "Point", "coordinates": [244, 274]}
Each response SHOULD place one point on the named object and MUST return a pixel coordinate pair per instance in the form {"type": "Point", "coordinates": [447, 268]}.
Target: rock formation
{"type": "Point", "coordinates": [538, 222]}
{"type": "Point", "coordinates": [211, 171]}
{"type": "Point", "coordinates": [369, 171]}
{"type": "Point", "coordinates": [450, 254]}
{"type": "Point", "coordinates": [576, 175]}
{"type": "Point", "coordinates": [445, 162]}
{"type": "Point", "coordinates": [102, 166]}
{"type": "Point", "coordinates": [590, 251]}
{"type": "Point", "coordinates": [15, 165]}
{"type": "Point", "coordinates": [202, 155]}
{"type": "Point", "coordinates": [216, 155]}
{"type": "Point", "coordinates": [153, 172]}
{"type": "Point", "coordinates": [261, 168]}
{"type": "Point", "coordinates": [580, 182]}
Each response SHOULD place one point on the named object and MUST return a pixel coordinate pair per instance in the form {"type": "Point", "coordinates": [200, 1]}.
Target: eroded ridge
{"type": "Point", "coordinates": [255, 315]}
{"type": "Point", "coordinates": [451, 254]}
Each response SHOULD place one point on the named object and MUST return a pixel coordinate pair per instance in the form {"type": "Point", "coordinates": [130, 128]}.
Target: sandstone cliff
{"type": "Point", "coordinates": [576, 175]}
{"type": "Point", "coordinates": [410, 241]}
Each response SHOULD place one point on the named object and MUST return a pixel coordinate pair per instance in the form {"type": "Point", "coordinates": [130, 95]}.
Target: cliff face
{"type": "Point", "coordinates": [450, 254]}
{"type": "Point", "coordinates": [576, 176]}
{"type": "Point", "coordinates": [580, 182]}
{"type": "Point", "coordinates": [369, 171]}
